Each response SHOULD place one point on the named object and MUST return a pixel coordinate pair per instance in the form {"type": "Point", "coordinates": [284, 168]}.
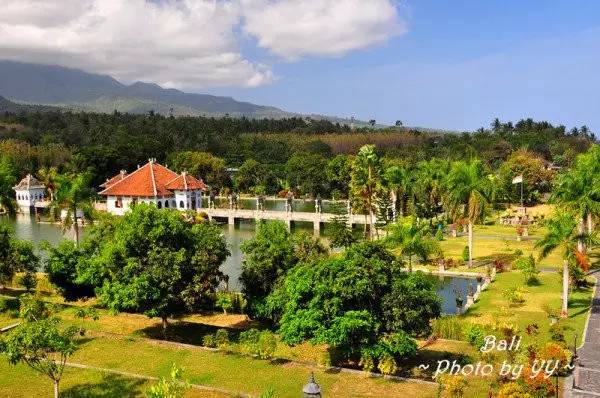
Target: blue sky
{"type": "Point", "coordinates": [450, 64]}
{"type": "Point", "coordinates": [458, 65]}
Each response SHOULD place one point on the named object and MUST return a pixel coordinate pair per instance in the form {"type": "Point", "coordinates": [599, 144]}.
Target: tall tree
{"type": "Point", "coordinates": [563, 236]}
{"type": "Point", "coordinates": [8, 179]}
{"type": "Point", "coordinates": [367, 178]}
{"type": "Point", "coordinates": [578, 190]}
{"type": "Point", "coordinates": [73, 195]}
{"type": "Point", "coordinates": [40, 343]}
{"type": "Point", "coordinates": [469, 190]}
{"type": "Point", "coordinates": [400, 181]}
{"type": "Point", "coordinates": [157, 264]}
{"type": "Point", "coordinates": [48, 176]}
{"type": "Point", "coordinates": [15, 256]}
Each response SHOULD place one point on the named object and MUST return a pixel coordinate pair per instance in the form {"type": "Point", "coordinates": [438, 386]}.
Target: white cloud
{"type": "Point", "coordinates": [297, 28]}
{"type": "Point", "coordinates": [181, 43]}
{"type": "Point", "coordinates": [188, 43]}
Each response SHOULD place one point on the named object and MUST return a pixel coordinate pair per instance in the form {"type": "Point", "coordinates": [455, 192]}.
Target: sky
{"type": "Point", "coordinates": [453, 65]}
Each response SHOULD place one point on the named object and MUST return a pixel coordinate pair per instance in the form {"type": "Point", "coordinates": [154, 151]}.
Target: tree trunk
{"type": "Point", "coordinates": [395, 204]}
{"type": "Point", "coordinates": [581, 230]}
{"type": "Point", "coordinates": [410, 263]}
{"type": "Point", "coordinates": [165, 325]}
{"type": "Point", "coordinates": [470, 244]}
{"type": "Point", "coordinates": [565, 293]}
{"type": "Point", "coordinates": [402, 205]}
{"type": "Point", "coordinates": [75, 227]}
{"type": "Point", "coordinates": [590, 223]}
{"type": "Point", "coordinates": [55, 388]}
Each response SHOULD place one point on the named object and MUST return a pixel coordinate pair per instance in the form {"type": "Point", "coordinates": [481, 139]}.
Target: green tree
{"type": "Point", "coordinates": [537, 179]}
{"type": "Point", "coordinates": [411, 238]}
{"type": "Point", "coordinates": [469, 190]}
{"type": "Point", "coordinates": [338, 175]}
{"type": "Point", "coordinates": [253, 176]}
{"type": "Point", "coordinates": [8, 179]}
{"type": "Point", "coordinates": [15, 256]}
{"type": "Point", "coordinates": [40, 343]}
{"type": "Point", "coordinates": [203, 165]}
{"type": "Point", "coordinates": [578, 190]}
{"type": "Point", "coordinates": [307, 173]}
{"type": "Point", "coordinates": [73, 194]}
{"type": "Point", "coordinates": [562, 235]}
{"type": "Point", "coordinates": [49, 176]}
{"type": "Point", "coordinates": [157, 264]}
{"type": "Point", "coordinates": [62, 264]}
{"type": "Point", "coordinates": [400, 182]}
{"type": "Point", "coordinates": [267, 256]}
{"type": "Point", "coordinates": [366, 180]}
{"type": "Point", "coordinates": [411, 303]}
{"type": "Point", "coordinates": [340, 233]}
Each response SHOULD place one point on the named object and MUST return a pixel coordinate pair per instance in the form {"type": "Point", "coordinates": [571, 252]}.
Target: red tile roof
{"type": "Point", "coordinates": [114, 179]}
{"type": "Point", "coordinates": [185, 182]}
{"type": "Point", "coordinates": [148, 180]}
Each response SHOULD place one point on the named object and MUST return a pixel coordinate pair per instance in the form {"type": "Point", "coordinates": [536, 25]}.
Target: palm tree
{"type": "Point", "coordinates": [429, 185]}
{"type": "Point", "coordinates": [578, 190]}
{"type": "Point", "coordinates": [73, 193]}
{"type": "Point", "coordinates": [48, 176]}
{"type": "Point", "coordinates": [366, 180]}
{"type": "Point", "coordinates": [399, 180]}
{"type": "Point", "coordinates": [411, 239]}
{"type": "Point", "coordinates": [563, 235]}
{"type": "Point", "coordinates": [469, 190]}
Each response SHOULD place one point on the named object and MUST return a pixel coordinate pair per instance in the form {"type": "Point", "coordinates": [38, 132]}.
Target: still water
{"type": "Point", "coordinates": [27, 228]}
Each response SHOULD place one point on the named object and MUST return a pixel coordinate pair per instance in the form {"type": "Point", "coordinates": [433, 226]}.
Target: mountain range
{"type": "Point", "coordinates": [26, 83]}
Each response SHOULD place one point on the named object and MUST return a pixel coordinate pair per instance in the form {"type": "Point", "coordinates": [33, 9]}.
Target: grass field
{"type": "Point", "coordinates": [492, 307]}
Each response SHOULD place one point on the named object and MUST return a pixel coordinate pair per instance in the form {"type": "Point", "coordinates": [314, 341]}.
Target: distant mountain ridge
{"type": "Point", "coordinates": [73, 88]}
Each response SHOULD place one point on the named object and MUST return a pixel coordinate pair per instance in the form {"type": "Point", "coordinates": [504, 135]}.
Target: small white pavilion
{"type": "Point", "coordinates": [29, 191]}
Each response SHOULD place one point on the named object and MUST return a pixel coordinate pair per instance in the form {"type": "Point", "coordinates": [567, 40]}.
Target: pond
{"type": "Point", "coordinates": [27, 228]}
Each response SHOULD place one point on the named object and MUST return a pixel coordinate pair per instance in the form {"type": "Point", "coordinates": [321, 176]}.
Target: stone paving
{"type": "Point", "coordinates": [588, 385]}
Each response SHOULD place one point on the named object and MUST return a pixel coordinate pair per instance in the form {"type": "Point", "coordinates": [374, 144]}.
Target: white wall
{"type": "Point", "coordinates": [27, 198]}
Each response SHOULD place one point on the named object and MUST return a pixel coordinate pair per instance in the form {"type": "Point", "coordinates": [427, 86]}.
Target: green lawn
{"type": "Point", "coordinates": [492, 307]}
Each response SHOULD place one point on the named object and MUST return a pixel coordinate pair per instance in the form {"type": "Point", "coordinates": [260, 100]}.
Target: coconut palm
{"type": "Point", "coordinates": [48, 176]}
{"type": "Point", "coordinates": [399, 181]}
{"type": "Point", "coordinates": [411, 239]}
{"type": "Point", "coordinates": [563, 236]}
{"type": "Point", "coordinates": [73, 193]}
{"type": "Point", "coordinates": [578, 190]}
{"type": "Point", "coordinates": [429, 186]}
{"type": "Point", "coordinates": [469, 190]}
{"type": "Point", "coordinates": [367, 180]}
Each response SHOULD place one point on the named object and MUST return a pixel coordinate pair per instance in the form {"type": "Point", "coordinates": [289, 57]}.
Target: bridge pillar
{"type": "Point", "coordinates": [288, 223]}
{"type": "Point", "coordinates": [231, 220]}
{"type": "Point", "coordinates": [317, 227]}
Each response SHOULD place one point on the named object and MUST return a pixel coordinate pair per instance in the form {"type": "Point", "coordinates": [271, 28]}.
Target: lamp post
{"type": "Point", "coordinates": [311, 389]}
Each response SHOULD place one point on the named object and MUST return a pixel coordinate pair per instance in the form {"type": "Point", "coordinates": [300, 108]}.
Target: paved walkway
{"type": "Point", "coordinates": [589, 355]}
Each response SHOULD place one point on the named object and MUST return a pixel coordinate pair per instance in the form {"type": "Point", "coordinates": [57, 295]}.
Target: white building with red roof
{"type": "Point", "coordinates": [153, 183]}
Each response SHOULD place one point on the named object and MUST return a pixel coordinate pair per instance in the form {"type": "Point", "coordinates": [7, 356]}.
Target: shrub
{"type": "Point", "coordinates": [439, 235]}
{"type": "Point", "coordinates": [528, 268]}
{"type": "Point", "coordinates": [475, 335]}
{"type": "Point", "coordinates": [224, 301]}
{"type": "Point", "coordinates": [518, 252]}
{"type": "Point", "coordinates": [222, 338]}
{"type": "Point", "coordinates": [367, 362]}
{"type": "Point", "coordinates": [538, 386]}
{"type": "Point", "coordinates": [387, 364]}
{"type": "Point", "coordinates": [447, 327]}
{"type": "Point", "coordinates": [554, 352]}
{"type": "Point", "coordinates": [267, 344]}
{"type": "Point", "coordinates": [514, 296]}
{"type": "Point", "coordinates": [208, 340]}
{"type": "Point", "coordinates": [399, 345]}
{"type": "Point", "coordinates": [28, 280]}
{"type": "Point", "coordinates": [465, 254]}
{"type": "Point", "coordinates": [455, 385]}
{"type": "Point", "coordinates": [513, 390]}
{"type": "Point", "coordinates": [557, 332]}
{"type": "Point", "coordinates": [249, 341]}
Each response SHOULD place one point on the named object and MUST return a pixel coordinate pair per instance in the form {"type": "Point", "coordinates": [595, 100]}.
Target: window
{"type": "Point", "coordinates": [119, 203]}
{"type": "Point", "coordinates": [174, 203]}
{"type": "Point", "coordinates": [159, 204]}
{"type": "Point", "coordinates": [181, 204]}
{"type": "Point", "coordinates": [166, 204]}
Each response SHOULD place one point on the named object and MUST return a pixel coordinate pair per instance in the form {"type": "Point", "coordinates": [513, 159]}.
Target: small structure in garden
{"type": "Point", "coordinates": [29, 191]}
